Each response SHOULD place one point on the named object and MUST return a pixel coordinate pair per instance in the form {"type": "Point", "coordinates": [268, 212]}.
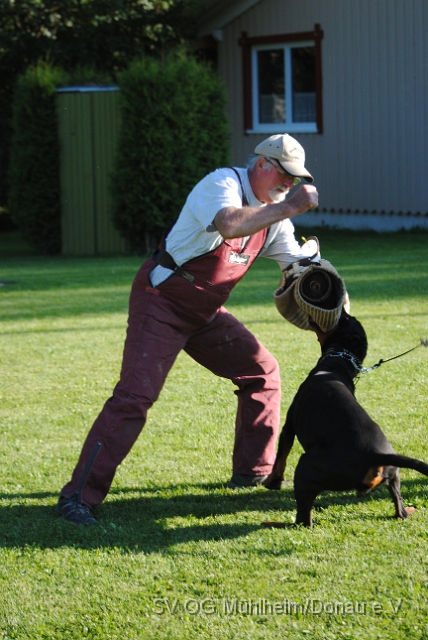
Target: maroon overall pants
{"type": "Point", "coordinates": [185, 315]}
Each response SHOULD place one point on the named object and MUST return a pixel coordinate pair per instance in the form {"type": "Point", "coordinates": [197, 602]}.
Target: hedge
{"type": "Point", "coordinates": [34, 173]}
{"type": "Point", "coordinates": [34, 197]}
{"type": "Point", "coordinates": [174, 131]}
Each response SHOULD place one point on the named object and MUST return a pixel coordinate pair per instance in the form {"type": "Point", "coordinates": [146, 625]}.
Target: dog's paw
{"type": "Point", "coordinates": [404, 512]}
{"type": "Point", "coordinates": [273, 483]}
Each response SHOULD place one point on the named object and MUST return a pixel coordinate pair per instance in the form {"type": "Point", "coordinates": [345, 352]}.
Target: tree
{"type": "Point", "coordinates": [108, 34]}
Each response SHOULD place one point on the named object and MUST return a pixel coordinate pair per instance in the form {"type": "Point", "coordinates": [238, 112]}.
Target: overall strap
{"type": "Point", "coordinates": [165, 259]}
{"type": "Point", "coordinates": [245, 202]}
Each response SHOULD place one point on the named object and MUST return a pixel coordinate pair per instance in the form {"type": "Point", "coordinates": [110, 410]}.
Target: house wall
{"type": "Point", "coordinates": [373, 152]}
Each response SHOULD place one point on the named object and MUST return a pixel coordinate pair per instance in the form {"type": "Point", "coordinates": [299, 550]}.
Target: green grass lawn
{"type": "Point", "coordinates": [176, 554]}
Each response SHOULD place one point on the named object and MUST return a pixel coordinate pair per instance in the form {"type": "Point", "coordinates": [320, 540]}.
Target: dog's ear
{"type": "Point", "coordinates": [344, 314]}
{"type": "Point", "coordinates": [351, 335]}
{"type": "Point", "coordinates": [348, 334]}
{"type": "Point", "coordinates": [358, 340]}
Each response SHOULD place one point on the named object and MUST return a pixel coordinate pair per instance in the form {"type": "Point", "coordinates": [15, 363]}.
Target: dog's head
{"type": "Point", "coordinates": [347, 335]}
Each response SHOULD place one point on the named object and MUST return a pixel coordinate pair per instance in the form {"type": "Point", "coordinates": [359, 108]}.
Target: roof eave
{"type": "Point", "coordinates": [221, 13]}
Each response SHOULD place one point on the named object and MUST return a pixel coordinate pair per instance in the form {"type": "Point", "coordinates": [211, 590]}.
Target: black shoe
{"type": "Point", "coordinates": [241, 481]}
{"type": "Point", "coordinates": [74, 511]}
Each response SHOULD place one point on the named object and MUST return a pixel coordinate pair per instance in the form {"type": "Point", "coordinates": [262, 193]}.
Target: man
{"type": "Point", "coordinates": [229, 219]}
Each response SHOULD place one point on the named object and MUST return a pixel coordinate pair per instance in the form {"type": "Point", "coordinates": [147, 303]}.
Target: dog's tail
{"type": "Point", "coordinates": [397, 460]}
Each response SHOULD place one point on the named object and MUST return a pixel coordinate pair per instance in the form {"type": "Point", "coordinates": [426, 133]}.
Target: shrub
{"type": "Point", "coordinates": [34, 198]}
{"type": "Point", "coordinates": [174, 131]}
{"type": "Point", "coordinates": [34, 174]}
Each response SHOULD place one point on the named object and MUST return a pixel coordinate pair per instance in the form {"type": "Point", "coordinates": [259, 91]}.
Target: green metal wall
{"type": "Point", "coordinates": [89, 121]}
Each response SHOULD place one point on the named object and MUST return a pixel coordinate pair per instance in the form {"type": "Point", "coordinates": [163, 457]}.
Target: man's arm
{"type": "Point", "coordinates": [235, 222]}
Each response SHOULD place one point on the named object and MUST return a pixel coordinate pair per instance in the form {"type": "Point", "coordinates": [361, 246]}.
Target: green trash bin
{"type": "Point", "coordinates": [89, 121]}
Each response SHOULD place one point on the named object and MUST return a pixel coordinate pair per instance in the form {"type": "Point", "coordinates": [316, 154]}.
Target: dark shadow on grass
{"type": "Point", "coordinates": [121, 327]}
{"type": "Point", "coordinates": [147, 523]}
{"type": "Point", "coordinates": [39, 495]}
{"type": "Point", "coordinates": [143, 523]}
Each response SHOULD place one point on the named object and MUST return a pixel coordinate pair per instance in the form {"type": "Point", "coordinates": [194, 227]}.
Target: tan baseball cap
{"type": "Point", "coordinates": [289, 153]}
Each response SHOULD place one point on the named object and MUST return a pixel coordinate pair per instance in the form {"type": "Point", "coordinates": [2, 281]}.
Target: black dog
{"type": "Point", "coordinates": [344, 448]}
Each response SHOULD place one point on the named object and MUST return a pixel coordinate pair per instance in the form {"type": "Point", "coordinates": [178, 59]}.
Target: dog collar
{"type": "Point", "coordinates": [349, 356]}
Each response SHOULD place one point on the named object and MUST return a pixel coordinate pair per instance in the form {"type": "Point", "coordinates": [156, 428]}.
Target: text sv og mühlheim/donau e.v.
{"type": "Point", "coordinates": [264, 607]}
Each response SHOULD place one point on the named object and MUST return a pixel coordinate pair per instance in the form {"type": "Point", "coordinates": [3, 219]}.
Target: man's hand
{"type": "Point", "coordinates": [305, 198]}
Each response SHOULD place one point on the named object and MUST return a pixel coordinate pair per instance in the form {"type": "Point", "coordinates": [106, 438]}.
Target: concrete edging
{"type": "Point", "coordinates": [363, 221]}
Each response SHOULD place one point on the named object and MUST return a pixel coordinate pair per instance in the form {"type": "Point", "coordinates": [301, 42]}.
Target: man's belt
{"type": "Point", "coordinates": [165, 259]}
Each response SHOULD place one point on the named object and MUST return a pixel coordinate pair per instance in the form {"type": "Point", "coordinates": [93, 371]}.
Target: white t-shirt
{"type": "Point", "coordinates": [194, 233]}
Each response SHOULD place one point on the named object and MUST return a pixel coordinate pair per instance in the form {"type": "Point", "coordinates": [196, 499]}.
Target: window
{"type": "Point", "coordinates": [282, 83]}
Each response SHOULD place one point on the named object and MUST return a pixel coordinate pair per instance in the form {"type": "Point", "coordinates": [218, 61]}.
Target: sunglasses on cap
{"type": "Point", "coordinates": [282, 171]}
